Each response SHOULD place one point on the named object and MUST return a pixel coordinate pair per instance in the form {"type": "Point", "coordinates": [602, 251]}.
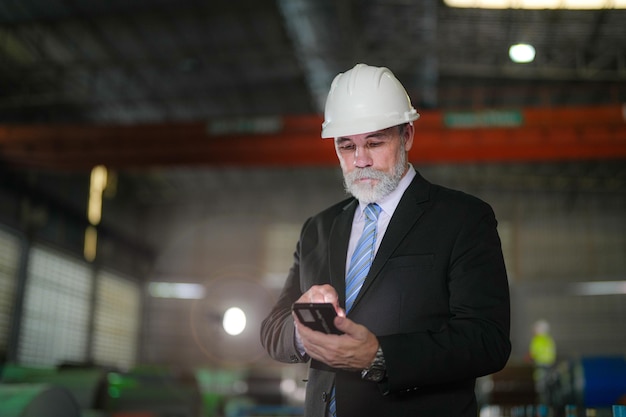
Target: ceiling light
{"type": "Point", "coordinates": [181, 290]}
{"type": "Point", "coordinates": [599, 288]}
{"type": "Point", "coordinates": [98, 182]}
{"type": "Point", "coordinates": [522, 53]}
{"type": "Point", "coordinates": [538, 4]}
{"type": "Point", "coordinates": [234, 321]}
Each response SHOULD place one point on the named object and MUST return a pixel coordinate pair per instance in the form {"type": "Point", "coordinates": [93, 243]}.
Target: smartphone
{"type": "Point", "coordinates": [317, 316]}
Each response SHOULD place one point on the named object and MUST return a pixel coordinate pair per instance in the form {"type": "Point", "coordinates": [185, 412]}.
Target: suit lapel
{"type": "Point", "coordinates": [338, 249]}
{"type": "Point", "coordinates": [407, 213]}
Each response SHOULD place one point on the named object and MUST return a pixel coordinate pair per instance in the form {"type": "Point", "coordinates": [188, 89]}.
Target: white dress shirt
{"type": "Point", "coordinates": [388, 205]}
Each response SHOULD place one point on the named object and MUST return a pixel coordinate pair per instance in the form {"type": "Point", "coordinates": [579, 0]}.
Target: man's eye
{"type": "Point", "coordinates": [346, 147]}
{"type": "Point", "coordinates": [374, 144]}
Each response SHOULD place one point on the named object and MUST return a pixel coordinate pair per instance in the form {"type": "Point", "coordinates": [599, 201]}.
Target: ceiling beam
{"type": "Point", "coordinates": [541, 135]}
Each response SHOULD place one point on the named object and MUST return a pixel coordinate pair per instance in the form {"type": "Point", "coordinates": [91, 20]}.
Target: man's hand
{"type": "Point", "coordinates": [322, 294]}
{"type": "Point", "coordinates": [355, 349]}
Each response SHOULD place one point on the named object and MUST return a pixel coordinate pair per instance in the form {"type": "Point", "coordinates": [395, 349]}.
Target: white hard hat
{"type": "Point", "coordinates": [365, 99]}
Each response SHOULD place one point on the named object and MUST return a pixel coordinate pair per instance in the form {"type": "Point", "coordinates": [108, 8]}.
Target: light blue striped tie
{"type": "Point", "coordinates": [360, 264]}
{"type": "Point", "coordinates": [363, 255]}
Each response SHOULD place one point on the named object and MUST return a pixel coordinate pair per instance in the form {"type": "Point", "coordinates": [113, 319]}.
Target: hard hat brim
{"type": "Point", "coordinates": [365, 125]}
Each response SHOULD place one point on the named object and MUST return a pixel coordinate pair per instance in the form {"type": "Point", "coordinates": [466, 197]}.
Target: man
{"type": "Point", "coordinates": [432, 313]}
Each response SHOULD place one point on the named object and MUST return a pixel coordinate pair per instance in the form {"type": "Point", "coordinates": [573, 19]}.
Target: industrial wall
{"type": "Point", "coordinates": [562, 225]}
{"type": "Point", "coordinates": [561, 229]}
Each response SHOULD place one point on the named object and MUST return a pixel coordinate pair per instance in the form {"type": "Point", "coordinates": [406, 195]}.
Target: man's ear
{"type": "Point", "coordinates": [409, 131]}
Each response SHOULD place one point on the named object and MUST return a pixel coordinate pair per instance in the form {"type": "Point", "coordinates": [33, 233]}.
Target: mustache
{"type": "Point", "coordinates": [361, 173]}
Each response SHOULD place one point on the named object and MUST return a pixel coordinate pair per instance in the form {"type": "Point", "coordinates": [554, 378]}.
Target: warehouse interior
{"type": "Point", "coordinates": [159, 157]}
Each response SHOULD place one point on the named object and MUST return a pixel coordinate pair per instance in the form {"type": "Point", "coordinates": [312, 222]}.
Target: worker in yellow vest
{"type": "Point", "coordinates": [543, 354]}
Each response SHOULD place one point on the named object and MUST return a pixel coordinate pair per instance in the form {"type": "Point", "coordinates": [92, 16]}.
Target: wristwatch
{"type": "Point", "coordinates": [377, 369]}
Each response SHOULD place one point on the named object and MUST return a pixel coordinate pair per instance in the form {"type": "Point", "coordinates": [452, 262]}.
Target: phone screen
{"type": "Point", "coordinates": [317, 316]}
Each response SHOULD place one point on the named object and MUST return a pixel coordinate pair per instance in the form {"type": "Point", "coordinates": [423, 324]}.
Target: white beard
{"type": "Point", "coordinates": [383, 186]}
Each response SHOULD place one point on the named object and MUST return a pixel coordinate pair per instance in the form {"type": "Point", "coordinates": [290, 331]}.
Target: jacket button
{"type": "Point", "coordinates": [324, 396]}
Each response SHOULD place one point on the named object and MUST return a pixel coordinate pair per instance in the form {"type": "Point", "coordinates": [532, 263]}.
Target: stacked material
{"type": "Point", "coordinates": [37, 400]}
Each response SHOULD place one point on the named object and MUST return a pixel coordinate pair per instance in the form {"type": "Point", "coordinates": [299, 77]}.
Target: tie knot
{"type": "Point", "coordinates": [372, 211]}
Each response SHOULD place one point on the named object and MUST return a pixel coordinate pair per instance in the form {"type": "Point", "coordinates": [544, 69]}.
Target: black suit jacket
{"type": "Point", "coordinates": [436, 297]}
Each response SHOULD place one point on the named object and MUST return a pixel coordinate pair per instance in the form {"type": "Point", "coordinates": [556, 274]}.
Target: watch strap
{"type": "Point", "coordinates": [377, 369]}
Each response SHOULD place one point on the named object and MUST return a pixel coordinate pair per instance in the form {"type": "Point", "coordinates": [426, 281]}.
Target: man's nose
{"type": "Point", "coordinates": [362, 157]}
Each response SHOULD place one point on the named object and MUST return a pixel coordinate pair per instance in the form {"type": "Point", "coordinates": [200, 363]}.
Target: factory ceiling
{"type": "Point", "coordinates": [145, 61]}
{"type": "Point", "coordinates": [100, 81]}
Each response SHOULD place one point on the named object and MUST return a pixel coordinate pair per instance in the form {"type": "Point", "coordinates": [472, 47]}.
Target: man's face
{"type": "Point", "coordinates": [373, 163]}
